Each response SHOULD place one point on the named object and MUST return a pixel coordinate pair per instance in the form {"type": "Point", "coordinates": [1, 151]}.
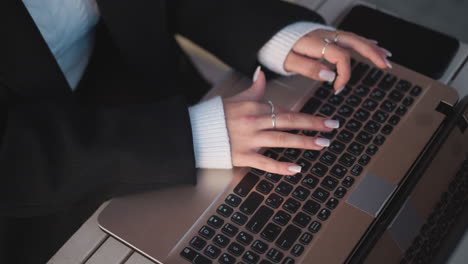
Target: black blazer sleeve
{"type": "Point", "coordinates": [235, 30]}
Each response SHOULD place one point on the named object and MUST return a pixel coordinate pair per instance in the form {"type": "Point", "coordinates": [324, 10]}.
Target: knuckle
{"type": "Point", "coordinates": [281, 139]}
{"type": "Point", "coordinates": [290, 117]}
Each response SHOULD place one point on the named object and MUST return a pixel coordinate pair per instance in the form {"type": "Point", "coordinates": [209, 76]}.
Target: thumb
{"type": "Point", "coordinates": [256, 91]}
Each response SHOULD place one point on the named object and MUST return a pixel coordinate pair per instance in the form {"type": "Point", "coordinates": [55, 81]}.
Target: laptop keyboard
{"type": "Point", "coordinates": [270, 218]}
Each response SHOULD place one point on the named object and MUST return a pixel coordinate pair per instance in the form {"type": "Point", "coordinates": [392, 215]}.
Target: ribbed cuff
{"type": "Point", "coordinates": [210, 135]}
{"type": "Point", "coordinates": [273, 54]}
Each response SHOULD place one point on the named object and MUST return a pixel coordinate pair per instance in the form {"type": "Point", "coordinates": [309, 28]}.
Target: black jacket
{"type": "Point", "coordinates": [126, 128]}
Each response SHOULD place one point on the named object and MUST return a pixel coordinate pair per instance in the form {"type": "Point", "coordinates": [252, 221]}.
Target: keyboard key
{"type": "Point", "coordinates": [250, 257]}
{"type": "Point", "coordinates": [244, 238]}
{"type": "Point", "coordinates": [346, 90]}
{"type": "Point", "coordinates": [408, 101]}
{"type": "Point", "coordinates": [270, 154]}
{"type": "Point", "coordinates": [356, 170]}
{"type": "Point", "coordinates": [271, 232]}
{"type": "Point", "coordinates": [329, 183]}
{"type": "Point", "coordinates": [311, 106]}
{"type": "Point", "coordinates": [233, 200]}
{"type": "Point", "coordinates": [416, 91]}
{"type": "Point", "coordinates": [323, 214]}
{"type": "Point", "coordinates": [257, 171]}
{"type": "Point", "coordinates": [372, 127]}
{"type": "Point", "coordinates": [251, 203]}
{"type": "Point", "coordinates": [281, 218]}
{"type": "Point", "coordinates": [332, 203]}
{"type": "Point", "coordinates": [230, 229]}
{"type": "Point", "coordinates": [328, 158]}
{"type": "Point", "coordinates": [345, 136]}
{"type": "Point", "coordinates": [259, 246]}
{"type": "Point", "coordinates": [297, 250]}
{"type": "Point", "coordinates": [395, 96]}
{"type": "Point", "coordinates": [306, 238]}
{"type": "Point", "coordinates": [275, 255]}
{"type": "Point", "coordinates": [319, 169]}
{"type": "Point", "coordinates": [259, 220]}
{"type": "Point", "coordinates": [403, 85]}
{"type": "Point", "coordinates": [215, 221]}
{"type": "Point", "coordinates": [336, 100]}
{"type": "Point", "coordinates": [354, 100]}
{"type": "Point", "coordinates": [284, 188]}
{"type": "Point", "coordinates": [358, 72]}
{"type": "Point", "coordinates": [315, 226]}
{"type": "Point", "coordinates": [301, 219]}
{"type": "Point", "coordinates": [246, 184]}
{"type": "Point", "coordinates": [198, 243]}
{"type": "Point", "coordinates": [239, 218]}
{"type": "Point", "coordinates": [370, 104]}
{"type": "Point", "coordinates": [288, 260]}
{"type": "Point", "coordinates": [192, 256]}
{"type": "Point", "coordinates": [378, 94]}
{"type": "Point", "coordinates": [264, 187]}
{"type": "Point", "coordinates": [322, 93]}
{"type": "Point", "coordinates": [311, 154]}
{"type": "Point", "coordinates": [309, 133]}
{"type": "Point", "coordinates": [311, 207]}
{"type": "Point", "coordinates": [353, 125]}
{"type": "Point", "coordinates": [301, 193]}
{"type": "Point", "coordinates": [338, 171]}
{"type": "Point", "coordinates": [274, 200]}
{"type": "Point", "coordinates": [394, 120]}
{"type": "Point", "coordinates": [227, 259]}
{"type": "Point", "coordinates": [336, 147]}
{"type": "Point", "coordinates": [212, 251]}
{"type": "Point", "coordinates": [236, 249]}
{"type": "Point", "coordinates": [387, 82]}
{"type": "Point", "coordinates": [291, 205]}
{"type": "Point", "coordinates": [273, 177]}
{"type": "Point", "coordinates": [320, 195]}
{"type": "Point", "coordinates": [364, 160]}
{"type": "Point", "coordinates": [348, 181]}
{"type": "Point", "coordinates": [347, 160]}
{"type": "Point", "coordinates": [224, 210]}
{"type": "Point", "coordinates": [361, 115]}
{"type": "Point", "coordinates": [278, 150]}
{"type": "Point", "coordinates": [364, 137]}
{"type": "Point", "coordinates": [327, 109]}
{"type": "Point", "coordinates": [288, 237]}
{"type": "Point", "coordinates": [305, 165]}
{"type": "Point", "coordinates": [379, 140]}
{"type": "Point", "coordinates": [380, 116]}
{"type": "Point", "coordinates": [221, 240]}
{"type": "Point", "coordinates": [206, 232]}
{"type": "Point", "coordinates": [387, 130]}
{"type": "Point", "coordinates": [310, 181]}
{"type": "Point", "coordinates": [373, 77]}
{"type": "Point", "coordinates": [292, 153]}
{"type": "Point", "coordinates": [388, 106]}
{"type": "Point", "coordinates": [372, 149]}
{"type": "Point", "coordinates": [340, 192]}
{"type": "Point", "coordinates": [345, 111]}
{"type": "Point", "coordinates": [361, 90]}
{"type": "Point", "coordinates": [355, 149]}
{"type": "Point", "coordinates": [401, 110]}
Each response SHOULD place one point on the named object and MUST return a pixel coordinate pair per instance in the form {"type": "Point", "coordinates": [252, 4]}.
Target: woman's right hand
{"type": "Point", "coordinates": [250, 127]}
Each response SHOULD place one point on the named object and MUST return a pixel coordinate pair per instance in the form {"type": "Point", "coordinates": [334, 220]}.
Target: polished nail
{"type": "Point", "coordinates": [332, 123]}
{"type": "Point", "coordinates": [387, 52]}
{"type": "Point", "coordinates": [339, 90]}
{"type": "Point", "coordinates": [327, 75]}
{"type": "Point", "coordinates": [257, 72]}
{"type": "Point", "coordinates": [323, 142]}
{"type": "Point", "coordinates": [373, 41]}
{"type": "Point", "coordinates": [295, 168]}
{"type": "Point", "coordinates": [389, 65]}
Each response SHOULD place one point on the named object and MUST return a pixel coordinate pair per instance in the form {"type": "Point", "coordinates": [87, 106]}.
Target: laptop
{"type": "Point", "coordinates": [393, 123]}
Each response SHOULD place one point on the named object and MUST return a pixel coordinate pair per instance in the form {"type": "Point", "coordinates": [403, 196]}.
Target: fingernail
{"type": "Point", "coordinates": [295, 168]}
{"type": "Point", "coordinates": [327, 75]}
{"type": "Point", "coordinates": [257, 72]}
{"type": "Point", "coordinates": [323, 142]}
{"type": "Point", "coordinates": [373, 41]}
{"type": "Point", "coordinates": [389, 65]}
{"type": "Point", "coordinates": [332, 123]}
{"type": "Point", "coordinates": [339, 90]}
{"type": "Point", "coordinates": [387, 52]}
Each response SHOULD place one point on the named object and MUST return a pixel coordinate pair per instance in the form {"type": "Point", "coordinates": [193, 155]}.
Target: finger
{"type": "Point", "coordinates": [254, 92]}
{"type": "Point", "coordinates": [363, 47]}
{"type": "Point", "coordinates": [310, 68]}
{"type": "Point", "coordinates": [261, 162]}
{"type": "Point", "coordinates": [300, 121]}
{"type": "Point", "coordinates": [278, 139]}
{"type": "Point", "coordinates": [339, 56]}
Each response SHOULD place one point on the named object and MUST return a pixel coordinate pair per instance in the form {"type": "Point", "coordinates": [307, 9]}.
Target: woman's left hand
{"type": "Point", "coordinates": [302, 58]}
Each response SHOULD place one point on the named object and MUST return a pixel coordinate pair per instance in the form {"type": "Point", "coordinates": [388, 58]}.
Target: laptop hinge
{"type": "Point", "coordinates": [448, 110]}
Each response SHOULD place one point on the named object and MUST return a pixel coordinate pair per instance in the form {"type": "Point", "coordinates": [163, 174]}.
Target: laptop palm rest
{"type": "Point", "coordinates": [178, 208]}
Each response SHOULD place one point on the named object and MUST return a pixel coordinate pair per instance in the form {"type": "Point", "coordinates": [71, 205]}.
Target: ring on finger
{"type": "Point", "coordinates": [327, 42]}
{"type": "Point", "coordinates": [336, 37]}
{"type": "Point", "coordinates": [273, 114]}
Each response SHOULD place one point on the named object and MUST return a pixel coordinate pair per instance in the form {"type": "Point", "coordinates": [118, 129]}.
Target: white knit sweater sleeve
{"type": "Point", "coordinates": [273, 54]}
{"type": "Point", "coordinates": [210, 135]}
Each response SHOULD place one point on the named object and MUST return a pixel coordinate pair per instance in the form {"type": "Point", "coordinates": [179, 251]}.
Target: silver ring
{"type": "Point", "coordinates": [327, 42]}
{"type": "Point", "coordinates": [335, 39]}
{"type": "Point", "coordinates": [273, 114]}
